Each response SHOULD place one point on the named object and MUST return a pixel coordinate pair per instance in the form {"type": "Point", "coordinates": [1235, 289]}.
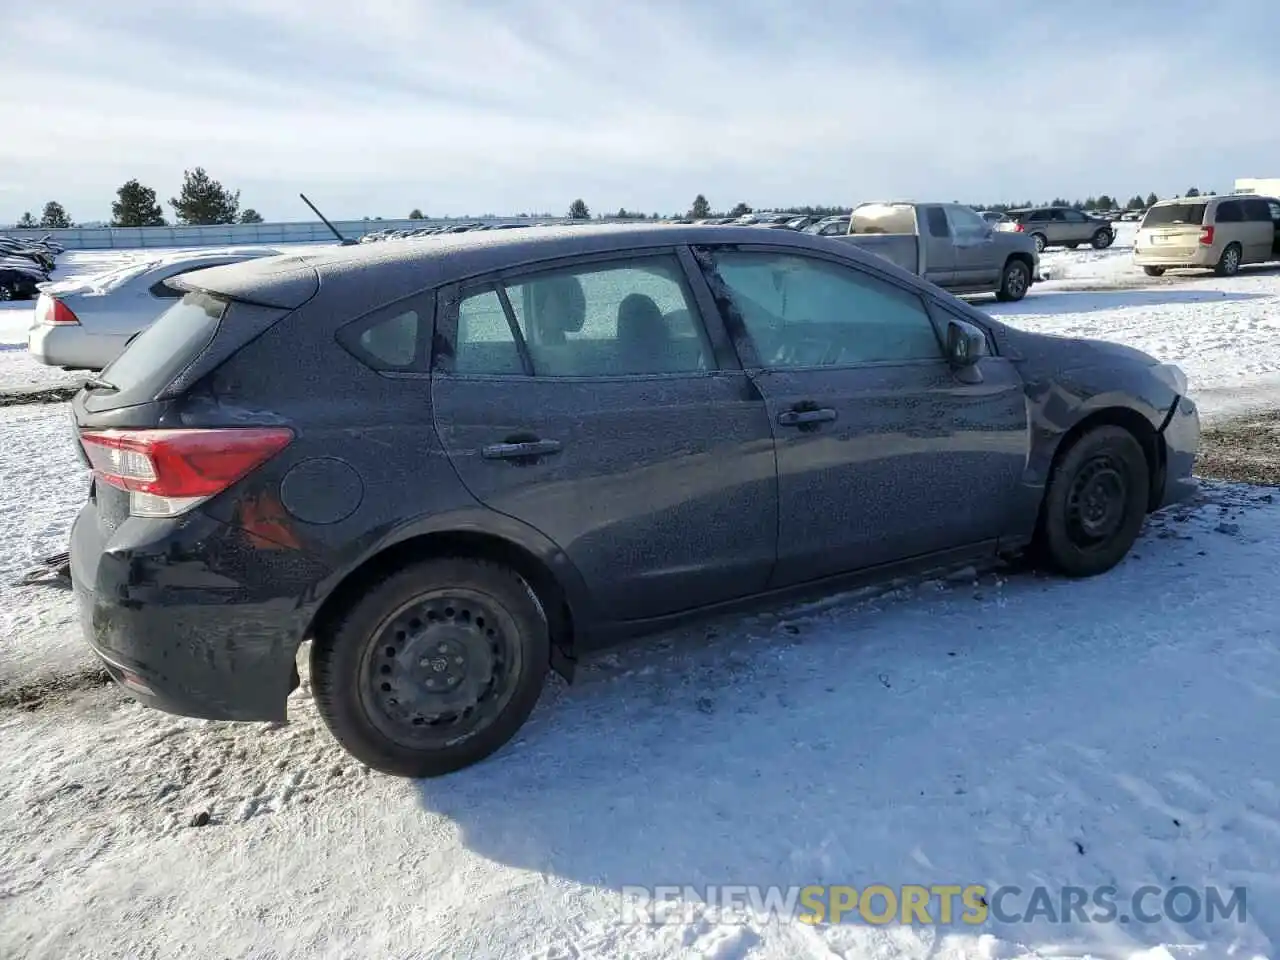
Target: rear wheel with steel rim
{"type": "Point", "coordinates": [6, 293]}
{"type": "Point", "coordinates": [1095, 504]}
{"type": "Point", "coordinates": [1041, 241]}
{"type": "Point", "coordinates": [433, 669]}
{"type": "Point", "coordinates": [1103, 239]}
{"type": "Point", "coordinates": [1229, 262]}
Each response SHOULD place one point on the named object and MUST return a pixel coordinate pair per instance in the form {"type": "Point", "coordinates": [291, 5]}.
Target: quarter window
{"type": "Point", "coordinates": [802, 311]}
{"type": "Point", "coordinates": [387, 342]}
{"type": "Point", "coordinates": [633, 317]}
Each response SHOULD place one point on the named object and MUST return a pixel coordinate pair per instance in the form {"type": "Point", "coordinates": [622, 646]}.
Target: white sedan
{"type": "Point", "coordinates": [84, 324]}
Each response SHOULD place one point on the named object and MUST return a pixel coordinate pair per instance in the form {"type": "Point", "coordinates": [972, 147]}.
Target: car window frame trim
{"type": "Point", "coordinates": [452, 294]}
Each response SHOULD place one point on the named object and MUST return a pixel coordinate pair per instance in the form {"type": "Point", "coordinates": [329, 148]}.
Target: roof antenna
{"type": "Point", "coordinates": [341, 239]}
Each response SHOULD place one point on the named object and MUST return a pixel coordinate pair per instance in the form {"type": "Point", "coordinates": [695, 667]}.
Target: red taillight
{"type": "Point", "coordinates": [1206, 236]}
{"type": "Point", "coordinates": [52, 310]}
{"type": "Point", "coordinates": [1017, 228]}
{"type": "Point", "coordinates": [167, 472]}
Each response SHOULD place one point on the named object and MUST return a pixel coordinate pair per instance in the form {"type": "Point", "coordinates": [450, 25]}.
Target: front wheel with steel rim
{"type": "Point", "coordinates": [1229, 262]}
{"type": "Point", "coordinates": [1095, 504]}
{"type": "Point", "coordinates": [434, 668]}
{"type": "Point", "coordinates": [1014, 282]}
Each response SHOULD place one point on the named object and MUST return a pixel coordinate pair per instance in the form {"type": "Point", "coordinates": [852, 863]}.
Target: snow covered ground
{"type": "Point", "coordinates": [998, 729]}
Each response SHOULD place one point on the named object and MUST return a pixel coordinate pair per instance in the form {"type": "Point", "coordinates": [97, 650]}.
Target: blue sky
{"type": "Point", "coordinates": [503, 106]}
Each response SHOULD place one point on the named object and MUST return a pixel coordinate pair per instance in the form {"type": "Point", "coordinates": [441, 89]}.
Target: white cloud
{"type": "Point", "coordinates": [483, 106]}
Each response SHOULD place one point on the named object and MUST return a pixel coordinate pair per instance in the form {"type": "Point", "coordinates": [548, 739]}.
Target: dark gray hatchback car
{"type": "Point", "coordinates": [456, 465]}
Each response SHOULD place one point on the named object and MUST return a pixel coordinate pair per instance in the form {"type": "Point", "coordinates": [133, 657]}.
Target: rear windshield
{"type": "Point", "coordinates": [151, 361]}
{"type": "Point", "coordinates": [883, 218]}
{"type": "Point", "coordinates": [110, 279]}
{"type": "Point", "coordinates": [1189, 213]}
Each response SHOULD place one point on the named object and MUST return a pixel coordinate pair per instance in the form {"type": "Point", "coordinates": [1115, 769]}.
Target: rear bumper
{"type": "Point", "coordinates": [1183, 257]}
{"type": "Point", "coordinates": [182, 634]}
{"type": "Point", "coordinates": [1182, 443]}
{"type": "Point", "coordinates": [68, 345]}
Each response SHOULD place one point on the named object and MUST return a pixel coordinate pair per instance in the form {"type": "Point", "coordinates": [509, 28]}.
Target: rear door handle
{"type": "Point", "coordinates": [794, 418]}
{"type": "Point", "coordinates": [518, 451]}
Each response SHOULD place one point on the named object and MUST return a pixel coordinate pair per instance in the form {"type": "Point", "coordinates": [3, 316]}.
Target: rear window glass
{"type": "Point", "coordinates": [111, 279]}
{"type": "Point", "coordinates": [159, 352]}
{"type": "Point", "coordinates": [1189, 213]}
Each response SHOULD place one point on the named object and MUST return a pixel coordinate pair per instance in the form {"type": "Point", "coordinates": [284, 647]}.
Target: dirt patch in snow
{"type": "Point", "coordinates": [48, 690]}
{"type": "Point", "coordinates": [1245, 449]}
{"type": "Point", "coordinates": [60, 394]}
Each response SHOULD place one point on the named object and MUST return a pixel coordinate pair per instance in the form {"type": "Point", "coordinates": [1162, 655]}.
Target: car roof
{"type": "Point", "coordinates": [392, 271]}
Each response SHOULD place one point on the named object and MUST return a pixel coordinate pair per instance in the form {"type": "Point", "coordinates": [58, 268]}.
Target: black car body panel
{"type": "Point", "coordinates": [665, 496]}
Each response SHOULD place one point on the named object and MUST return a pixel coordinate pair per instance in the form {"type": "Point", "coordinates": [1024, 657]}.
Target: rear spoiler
{"type": "Point", "coordinates": [283, 282]}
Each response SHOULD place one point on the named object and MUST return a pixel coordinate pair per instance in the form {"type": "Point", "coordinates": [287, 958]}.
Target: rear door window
{"type": "Point", "coordinates": [937, 218]}
{"type": "Point", "coordinates": [1229, 211]}
{"type": "Point", "coordinates": [1256, 211]}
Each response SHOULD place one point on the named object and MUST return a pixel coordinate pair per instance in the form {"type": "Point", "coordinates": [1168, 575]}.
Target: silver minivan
{"type": "Point", "coordinates": [1215, 233]}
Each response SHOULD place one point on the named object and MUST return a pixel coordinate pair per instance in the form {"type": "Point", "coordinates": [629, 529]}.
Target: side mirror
{"type": "Point", "coordinates": [965, 344]}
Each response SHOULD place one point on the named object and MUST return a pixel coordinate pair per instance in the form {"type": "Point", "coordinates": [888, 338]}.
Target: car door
{"type": "Point", "coordinates": [1259, 234]}
{"type": "Point", "coordinates": [1072, 226]}
{"type": "Point", "coordinates": [938, 246]}
{"type": "Point", "coordinates": [590, 401]}
{"type": "Point", "coordinates": [884, 453]}
{"type": "Point", "coordinates": [977, 262]}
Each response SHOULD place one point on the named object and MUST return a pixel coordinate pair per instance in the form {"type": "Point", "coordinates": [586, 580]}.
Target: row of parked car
{"type": "Point", "coordinates": [85, 324]}
{"type": "Point", "coordinates": [24, 265]}
{"type": "Point", "coordinates": [439, 230]}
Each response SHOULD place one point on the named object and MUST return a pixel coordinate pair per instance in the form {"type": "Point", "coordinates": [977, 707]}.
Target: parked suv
{"type": "Point", "coordinates": [495, 453]}
{"type": "Point", "coordinates": [1217, 233]}
{"type": "Point", "coordinates": [1060, 227]}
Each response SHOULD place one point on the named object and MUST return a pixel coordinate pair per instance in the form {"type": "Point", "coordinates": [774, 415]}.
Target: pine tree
{"type": "Point", "coordinates": [204, 201]}
{"type": "Point", "coordinates": [55, 217]}
{"type": "Point", "coordinates": [578, 210]}
{"type": "Point", "coordinates": [740, 210]}
{"type": "Point", "coordinates": [250, 215]}
{"type": "Point", "coordinates": [416, 214]}
{"type": "Point", "coordinates": [136, 207]}
{"type": "Point", "coordinates": [28, 222]}
{"type": "Point", "coordinates": [700, 209]}
{"type": "Point", "coordinates": [1193, 192]}
{"type": "Point", "coordinates": [1152, 199]}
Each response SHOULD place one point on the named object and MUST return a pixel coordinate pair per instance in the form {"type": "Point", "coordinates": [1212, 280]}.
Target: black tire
{"type": "Point", "coordinates": [489, 647]}
{"type": "Point", "coordinates": [1014, 282]}
{"type": "Point", "coordinates": [1229, 263]}
{"type": "Point", "coordinates": [1103, 239]}
{"type": "Point", "coordinates": [1041, 241]}
{"type": "Point", "coordinates": [1107, 460]}
{"type": "Point", "coordinates": [1071, 246]}
{"type": "Point", "coordinates": [1153, 271]}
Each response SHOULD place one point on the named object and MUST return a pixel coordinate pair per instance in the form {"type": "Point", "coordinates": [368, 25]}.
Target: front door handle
{"type": "Point", "coordinates": [795, 418]}
{"type": "Point", "coordinates": [519, 451]}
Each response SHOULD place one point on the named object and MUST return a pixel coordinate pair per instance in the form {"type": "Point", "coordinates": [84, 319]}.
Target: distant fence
{"type": "Point", "coordinates": [108, 238]}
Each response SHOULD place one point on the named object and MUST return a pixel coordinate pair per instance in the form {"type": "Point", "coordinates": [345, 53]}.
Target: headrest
{"type": "Point", "coordinates": [560, 303]}
{"type": "Point", "coordinates": [640, 318]}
